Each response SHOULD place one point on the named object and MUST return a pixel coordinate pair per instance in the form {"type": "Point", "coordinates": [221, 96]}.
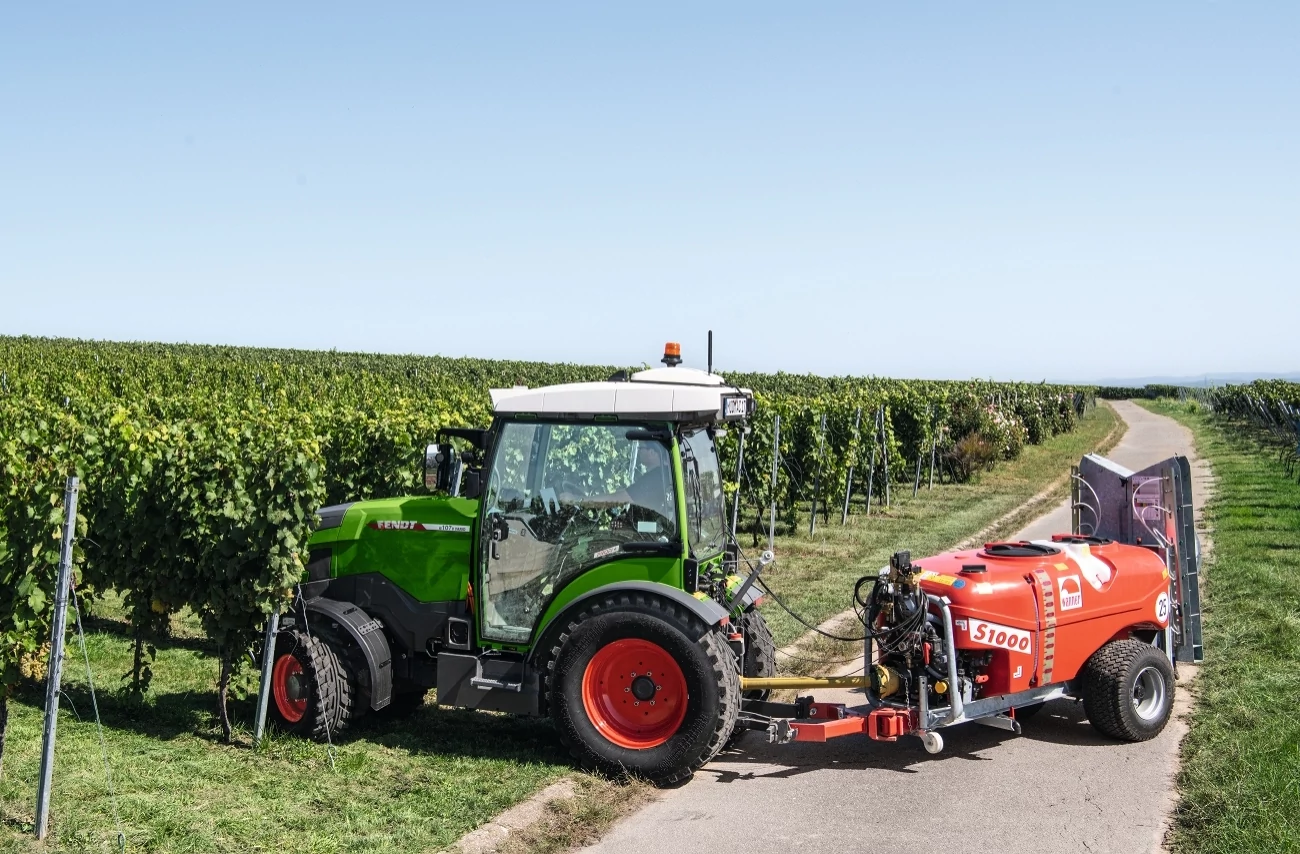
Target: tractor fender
{"type": "Point", "coordinates": [706, 609]}
{"type": "Point", "coordinates": [368, 634]}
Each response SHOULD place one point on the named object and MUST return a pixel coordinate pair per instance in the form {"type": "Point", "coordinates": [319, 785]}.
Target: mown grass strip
{"type": "Point", "coordinates": [1239, 787]}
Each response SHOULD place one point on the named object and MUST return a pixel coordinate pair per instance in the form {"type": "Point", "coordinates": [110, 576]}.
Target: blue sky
{"type": "Point", "coordinates": [1041, 190]}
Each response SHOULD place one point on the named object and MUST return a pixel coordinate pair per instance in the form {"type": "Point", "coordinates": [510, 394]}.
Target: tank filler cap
{"type": "Point", "coordinates": [1020, 549]}
{"type": "Point", "coordinates": [1081, 540]}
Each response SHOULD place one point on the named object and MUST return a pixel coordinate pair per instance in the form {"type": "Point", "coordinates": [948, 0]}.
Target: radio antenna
{"type": "Point", "coordinates": [710, 351]}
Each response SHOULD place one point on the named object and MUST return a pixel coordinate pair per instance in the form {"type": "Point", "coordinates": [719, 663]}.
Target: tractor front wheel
{"type": "Point", "coordinates": [1128, 690]}
{"type": "Point", "coordinates": [305, 681]}
{"type": "Point", "coordinates": [642, 686]}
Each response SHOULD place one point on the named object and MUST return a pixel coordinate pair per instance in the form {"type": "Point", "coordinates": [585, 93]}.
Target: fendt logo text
{"type": "Point", "coordinates": [407, 525]}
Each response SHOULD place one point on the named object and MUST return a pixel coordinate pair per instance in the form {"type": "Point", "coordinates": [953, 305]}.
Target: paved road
{"type": "Point", "coordinates": [1060, 787]}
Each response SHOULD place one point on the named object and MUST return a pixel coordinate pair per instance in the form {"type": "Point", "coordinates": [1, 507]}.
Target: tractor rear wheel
{"type": "Point", "coordinates": [1128, 690]}
{"type": "Point", "coordinates": [760, 651]}
{"type": "Point", "coordinates": [642, 686]}
{"type": "Point", "coordinates": [305, 686]}
{"type": "Point", "coordinates": [759, 660]}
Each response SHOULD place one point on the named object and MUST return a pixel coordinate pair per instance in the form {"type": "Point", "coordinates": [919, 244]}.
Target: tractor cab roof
{"type": "Point", "coordinates": [656, 394]}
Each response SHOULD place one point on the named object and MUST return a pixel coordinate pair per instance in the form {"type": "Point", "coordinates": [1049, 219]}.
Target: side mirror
{"type": "Point", "coordinates": [442, 469]}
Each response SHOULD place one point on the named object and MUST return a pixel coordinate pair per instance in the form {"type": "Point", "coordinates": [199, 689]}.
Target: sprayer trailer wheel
{"type": "Point", "coordinates": [640, 685]}
{"type": "Point", "coordinates": [305, 686]}
{"type": "Point", "coordinates": [1128, 690]}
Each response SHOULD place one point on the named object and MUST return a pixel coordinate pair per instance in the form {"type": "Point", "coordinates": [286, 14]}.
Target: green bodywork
{"type": "Point", "coordinates": [662, 570]}
{"type": "Point", "coordinates": [431, 565]}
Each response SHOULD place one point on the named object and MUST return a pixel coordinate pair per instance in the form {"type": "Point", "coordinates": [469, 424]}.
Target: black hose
{"type": "Point", "coordinates": [784, 607]}
{"type": "Point", "coordinates": [762, 582]}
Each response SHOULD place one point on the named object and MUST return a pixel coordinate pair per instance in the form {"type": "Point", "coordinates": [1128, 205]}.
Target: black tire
{"type": "Point", "coordinates": [354, 681]}
{"type": "Point", "coordinates": [708, 673]}
{"type": "Point", "coordinates": [760, 660]}
{"type": "Point", "coordinates": [1024, 713]}
{"type": "Point", "coordinates": [1128, 690]}
{"type": "Point", "coordinates": [306, 693]}
{"type": "Point", "coordinates": [760, 651]}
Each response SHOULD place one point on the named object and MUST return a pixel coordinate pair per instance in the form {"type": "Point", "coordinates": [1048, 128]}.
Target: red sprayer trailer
{"type": "Point", "coordinates": [1101, 614]}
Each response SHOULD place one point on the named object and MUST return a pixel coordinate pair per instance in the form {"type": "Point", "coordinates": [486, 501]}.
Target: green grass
{"type": "Point", "coordinates": [1239, 786]}
{"type": "Point", "coordinates": [409, 786]}
{"type": "Point", "coordinates": [413, 785]}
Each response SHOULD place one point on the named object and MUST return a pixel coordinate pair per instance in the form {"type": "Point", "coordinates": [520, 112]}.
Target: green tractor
{"type": "Point", "coordinates": [575, 562]}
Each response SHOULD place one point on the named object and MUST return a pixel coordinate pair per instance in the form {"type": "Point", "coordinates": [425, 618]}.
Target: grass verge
{"type": "Point", "coordinates": [581, 820]}
{"type": "Point", "coordinates": [1239, 787]}
{"type": "Point", "coordinates": [417, 784]}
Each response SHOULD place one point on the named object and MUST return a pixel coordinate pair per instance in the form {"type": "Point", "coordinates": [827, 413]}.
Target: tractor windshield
{"type": "Point", "coordinates": [706, 524]}
{"type": "Point", "coordinates": [560, 499]}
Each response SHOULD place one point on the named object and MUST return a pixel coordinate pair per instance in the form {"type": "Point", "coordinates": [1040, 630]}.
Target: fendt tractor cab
{"type": "Point", "coordinates": [574, 563]}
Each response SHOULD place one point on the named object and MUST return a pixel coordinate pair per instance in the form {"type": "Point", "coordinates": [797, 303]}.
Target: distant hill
{"type": "Point", "coordinates": [1202, 380]}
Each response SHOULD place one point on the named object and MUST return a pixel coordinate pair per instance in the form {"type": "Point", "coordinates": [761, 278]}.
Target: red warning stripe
{"type": "Point", "coordinates": [1049, 621]}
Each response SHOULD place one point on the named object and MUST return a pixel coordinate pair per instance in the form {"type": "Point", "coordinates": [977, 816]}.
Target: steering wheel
{"type": "Point", "coordinates": [569, 487]}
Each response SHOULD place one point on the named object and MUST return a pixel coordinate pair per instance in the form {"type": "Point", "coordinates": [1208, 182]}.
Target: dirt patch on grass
{"type": "Point", "coordinates": [564, 824]}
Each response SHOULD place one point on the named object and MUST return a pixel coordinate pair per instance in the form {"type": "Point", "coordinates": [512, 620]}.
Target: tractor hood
{"type": "Point", "coordinates": [423, 544]}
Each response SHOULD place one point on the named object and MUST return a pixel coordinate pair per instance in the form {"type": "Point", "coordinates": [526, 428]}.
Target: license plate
{"type": "Point", "coordinates": [735, 407]}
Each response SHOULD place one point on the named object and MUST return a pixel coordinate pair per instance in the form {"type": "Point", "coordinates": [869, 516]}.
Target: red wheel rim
{"type": "Point", "coordinates": [635, 694]}
{"type": "Point", "coordinates": [287, 684]}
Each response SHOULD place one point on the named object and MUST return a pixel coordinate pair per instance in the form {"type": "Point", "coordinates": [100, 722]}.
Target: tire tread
{"type": "Point", "coordinates": [1106, 690]}
{"type": "Point", "coordinates": [330, 690]}
{"type": "Point", "coordinates": [721, 662]}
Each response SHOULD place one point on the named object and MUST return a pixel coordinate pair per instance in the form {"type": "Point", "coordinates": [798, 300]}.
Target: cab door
{"type": "Point", "coordinates": [562, 498]}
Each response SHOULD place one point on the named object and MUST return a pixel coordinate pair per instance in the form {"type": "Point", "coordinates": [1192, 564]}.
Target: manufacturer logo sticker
{"type": "Point", "coordinates": [1002, 637]}
{"type": "Point", "coordinates": [946, 580]}
{"type": "Point", "coordinates": [1071, 592]}
{"type": "Point", "coordinates": [1162, 608]}
{"type": "Point", "coordinates": [407, 525]}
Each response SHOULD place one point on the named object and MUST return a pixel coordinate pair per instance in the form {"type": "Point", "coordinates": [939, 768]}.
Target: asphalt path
{"type": "Point", "coordinates": [1059, 787]}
